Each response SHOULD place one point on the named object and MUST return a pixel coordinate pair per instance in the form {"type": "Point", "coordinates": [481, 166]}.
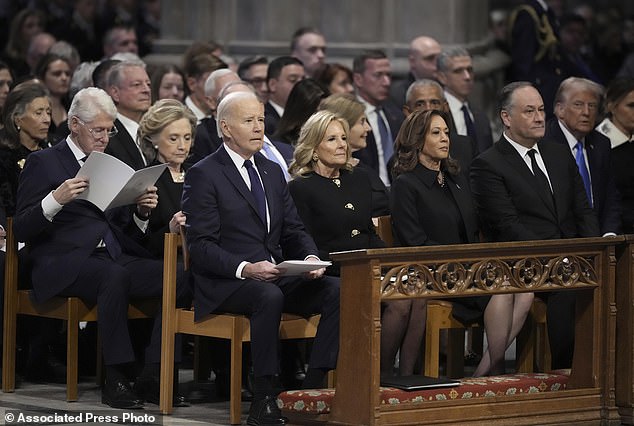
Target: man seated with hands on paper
{"type": "Point", "coordinates": [241, 222]}
{"type": "Point", "coordinates": [76, 249]}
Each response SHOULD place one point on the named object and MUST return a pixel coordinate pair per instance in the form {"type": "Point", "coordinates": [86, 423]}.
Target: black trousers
{"type": "Point", "coordinates": [111, 284]}
{"type": "Point", "coordinates": [264, 302]}
{"type": "Point", "coordinates": [560, 317]}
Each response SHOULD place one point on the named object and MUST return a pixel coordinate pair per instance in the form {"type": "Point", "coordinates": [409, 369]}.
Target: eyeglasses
{"type": "Point", "coordinates": [99, 132]}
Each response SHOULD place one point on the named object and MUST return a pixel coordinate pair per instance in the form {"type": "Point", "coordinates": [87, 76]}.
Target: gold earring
{"type": "Point", "coordinates": [315, 156]}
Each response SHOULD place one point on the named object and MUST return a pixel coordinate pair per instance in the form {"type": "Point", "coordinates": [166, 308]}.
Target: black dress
{"type": "Point", "coordinates": [11, 164]}
{"type": "Point", "coordinates": [426, 213]}
{"type": "Point", "coordinates": [169, 202]}
{"type": "Point", "coordinates": [336, 212]}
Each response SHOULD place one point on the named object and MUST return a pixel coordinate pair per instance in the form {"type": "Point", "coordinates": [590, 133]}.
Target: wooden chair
{"type": "Point", "coordinates": [70, 309]}
{"type": "Point", "coordinates": [224, 326]}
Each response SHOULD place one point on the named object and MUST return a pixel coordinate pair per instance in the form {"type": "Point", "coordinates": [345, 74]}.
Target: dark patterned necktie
{"type": "Point", "coordinates": [257, 190]}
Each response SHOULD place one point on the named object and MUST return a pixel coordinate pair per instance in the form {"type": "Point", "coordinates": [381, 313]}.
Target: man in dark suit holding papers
{"type": "Point", "coordinates": [75, 249]}
{"type": "Point", "coordinates": [241, 221]}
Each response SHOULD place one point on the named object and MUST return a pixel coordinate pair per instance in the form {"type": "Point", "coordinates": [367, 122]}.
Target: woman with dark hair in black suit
{"type": "Point", "coordinates": [431, 204]}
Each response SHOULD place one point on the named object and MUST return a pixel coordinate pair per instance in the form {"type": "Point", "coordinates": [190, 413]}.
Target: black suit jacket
{"type": "Point", "coordinates": [482, 126]}
{"type": "Point", "coordinates": [206, 141]}
{"type": "Point", "coordinates": [510, 205]}
{"type": "Point", "coordinates": [271, 118]}
{"type": "Point", "coordinates": [607, 203]}
{"type": "Point", "coordinates": [419, 216]}
{"type": "Point", "coordinates": [123, 146]}
{"type": "Point", "coordinates": [369, 155]}
{"type": "Point", "coordinates": [58, 248]}
{"type": "Point", "coordinates": [398, 89]}
{"type": "Point", "coordinates": [224, 228]}
{"type": "Point", "coordinates": [169, 202]}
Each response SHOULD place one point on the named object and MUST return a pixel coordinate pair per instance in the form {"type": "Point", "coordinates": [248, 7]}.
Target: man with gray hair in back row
{"type": "Point", "coordinates": [129, 87]}
{"type": "Point", "coordinates": [455, 72]}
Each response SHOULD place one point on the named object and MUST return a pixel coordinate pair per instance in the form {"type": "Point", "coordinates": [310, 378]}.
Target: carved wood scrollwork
{"type": "Point", "coordinates": [487, 276]}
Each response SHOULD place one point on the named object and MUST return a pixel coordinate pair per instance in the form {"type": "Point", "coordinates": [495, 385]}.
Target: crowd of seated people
{"type": "Point", "coordinates": [332, 146]}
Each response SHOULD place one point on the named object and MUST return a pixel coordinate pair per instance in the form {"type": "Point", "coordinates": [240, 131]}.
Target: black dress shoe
{"type": "Point", "coordinates": [149, 390]}
{"type": "Point", "coordinates": [265, 412]}
{"type": "Point", "coordinates": [120, 395]}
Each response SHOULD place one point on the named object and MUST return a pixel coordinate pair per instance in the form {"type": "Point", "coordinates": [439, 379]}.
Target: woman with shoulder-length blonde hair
{"type": "Point", "coordinates": [165, 135]}
{"type": "Point", "coordinates": [332, 198]}
{"type": "Point", "coordinates": [349, 108]}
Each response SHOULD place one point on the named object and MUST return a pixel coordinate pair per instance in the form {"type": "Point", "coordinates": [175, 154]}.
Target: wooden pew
{"type": "Point", "coordinates": [585, 265]}
{"type": "Point", "coordinates": [625, 330]}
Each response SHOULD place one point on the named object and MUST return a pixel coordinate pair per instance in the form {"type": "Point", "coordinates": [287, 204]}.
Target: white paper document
{"type": "Point", "coordinates": [298, 267]}
{"type": "Point", "coordinates": [112, 183]}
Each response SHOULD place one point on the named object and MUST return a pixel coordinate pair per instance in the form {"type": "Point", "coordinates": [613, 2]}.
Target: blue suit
{"type": "Point", "coordinates": [224, 229]}
{"type": "Point", "coordinates": [606, 199]}
{"type": "Point", "coordinates": [65, 260]}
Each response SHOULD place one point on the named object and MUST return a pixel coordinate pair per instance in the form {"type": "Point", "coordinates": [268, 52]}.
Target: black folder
{"type": "Point", "coordinates": [417, 382]}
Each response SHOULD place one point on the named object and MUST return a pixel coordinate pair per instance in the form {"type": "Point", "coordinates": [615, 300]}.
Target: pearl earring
{"type": "Point", "coordinates": [17, 127]}
{"type": "Point", "coordinates": [155, 146]}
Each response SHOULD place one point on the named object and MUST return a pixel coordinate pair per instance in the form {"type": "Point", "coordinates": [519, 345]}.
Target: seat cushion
{"type": "Point", "coordinates": [318, 401]}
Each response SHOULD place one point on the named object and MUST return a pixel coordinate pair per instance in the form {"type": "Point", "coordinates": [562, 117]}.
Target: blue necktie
{"type": "Point", "coordinates": [583, 170]}
{"type": "Point", "coordinates": [257, 190]}
{"type": "Point", "coordinates": [470, 128]}
{"type": "Point", "coordinates": [271, 156]}
{"type": "Point", "coordinates": [386, 141]}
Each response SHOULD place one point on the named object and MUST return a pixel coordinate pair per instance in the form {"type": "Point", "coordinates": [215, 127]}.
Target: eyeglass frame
{"type": "Point", "coordinates": [110, 133]}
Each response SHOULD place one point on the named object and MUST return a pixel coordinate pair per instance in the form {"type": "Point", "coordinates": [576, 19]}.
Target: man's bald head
{"type": "Point", "coordinates": [423, 52]}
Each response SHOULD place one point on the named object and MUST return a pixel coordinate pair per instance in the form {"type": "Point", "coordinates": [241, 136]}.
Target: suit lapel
{"type": "Point", "coordinates": [463, 200]}
{"type": "Point", "coordinates": [67, 158]}
{"type": "Point", "coordinates": [129, 145]}
{"type": "Point", "coordinates": [517, 163]}
{"type": "Point", "coordinates": [235, 178]}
